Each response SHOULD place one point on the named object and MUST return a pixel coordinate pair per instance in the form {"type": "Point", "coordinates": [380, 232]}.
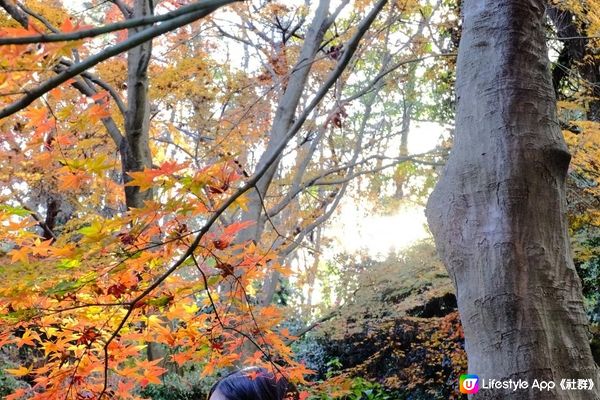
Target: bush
{"type": "Point", "coordinates": [363, 389]}
{"type": "Point", "coordinates": [8, 383]}
{"type": "Point", "coordinates": [175, 387]}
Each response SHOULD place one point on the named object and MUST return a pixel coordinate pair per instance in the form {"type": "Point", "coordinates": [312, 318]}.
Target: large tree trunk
{"type": "Point", "coordinates": [498, 212]}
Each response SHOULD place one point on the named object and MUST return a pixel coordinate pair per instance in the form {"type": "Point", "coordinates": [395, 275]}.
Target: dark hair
{"type": "Point", "coordinates": [254, 384]}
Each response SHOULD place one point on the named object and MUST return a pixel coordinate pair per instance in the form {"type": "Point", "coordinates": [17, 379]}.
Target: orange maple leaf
{"type": "Point", "coordinates": [21, 254]}
{"type": "Point", "coordinates": [17, 394]}
{"type": "Point", "coordinates": [236, 227]}
{"type": "Point", "coordinates": [170, 167]}
{"type": "Point", "coordinates": [303, 395]}
{"type": "Point", "coordinates": [71, 180]}
{"type": "Point", "coordinates": [98, 111]}
{"type": "Point", "coordinates": [150, 372]}
{"type": "Point", "coordinates": [67, 25]}
{"type": "Point", "coordinates": [181, 358]}
{"type": "Point", "coordinates": [37, 116]}
{"type": "Point", "coordinates": [27, 339]}
{"type": "Point", "coordinates": [18, 31]}
{"type": "Point", "coordinates": [145, 179]}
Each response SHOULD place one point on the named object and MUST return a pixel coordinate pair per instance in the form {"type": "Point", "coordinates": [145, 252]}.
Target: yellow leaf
{"type": "Point", "coordinates": [95, 232]}
{"type": "Point", "coordinates": [21, 371]}
{"type": "Point", "coordinates": [242, 202]}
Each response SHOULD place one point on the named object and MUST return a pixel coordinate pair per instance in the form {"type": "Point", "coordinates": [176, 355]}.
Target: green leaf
{"type": "Point", "coordinates": [64, 287]}
{"type": "Point", "coordinates": [19, 211]}
{"type": "Point", "coordinates": [68, 264]}
{"type": "Point", "coordinates": [213, 280]}
{"type": "Point", "coordinates": [160, 301]}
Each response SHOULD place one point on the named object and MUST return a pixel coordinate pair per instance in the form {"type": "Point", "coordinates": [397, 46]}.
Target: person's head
{"type": "Point", "coordinates": [251, 384]}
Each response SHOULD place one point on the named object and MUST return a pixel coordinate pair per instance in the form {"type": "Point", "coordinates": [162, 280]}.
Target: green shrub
{"type": "Point", "coordinates": [8, 383]}
{"type": "Point", "coordinates": [175, 387]}
{"type": "Point", "coordinates": [363, 389]}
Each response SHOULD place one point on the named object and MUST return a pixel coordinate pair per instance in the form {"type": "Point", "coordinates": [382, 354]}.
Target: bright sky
{"type": "Point", "coordinates": [353, 229]}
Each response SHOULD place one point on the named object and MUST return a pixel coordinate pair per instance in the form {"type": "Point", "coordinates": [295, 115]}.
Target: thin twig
{"type": "Point", "coordinates": [109, 28]}
{"type": "Point", "coordinates": [133, 41]}
{"type": "Point", "coordinates": [330, 81]}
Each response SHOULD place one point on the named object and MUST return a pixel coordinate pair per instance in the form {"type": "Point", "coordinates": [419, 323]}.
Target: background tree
{"type": "Point", "coordinates": [575, 78]}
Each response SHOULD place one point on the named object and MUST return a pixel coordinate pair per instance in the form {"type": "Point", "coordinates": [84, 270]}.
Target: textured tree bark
{"type": "Point", "coordinates": [498, 212]}
{"type": "Point", "coordinates": [136, 153]}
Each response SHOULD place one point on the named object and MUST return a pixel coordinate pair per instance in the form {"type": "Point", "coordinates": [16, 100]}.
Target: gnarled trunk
{"type": "Point", "coordinates": [498, 212]}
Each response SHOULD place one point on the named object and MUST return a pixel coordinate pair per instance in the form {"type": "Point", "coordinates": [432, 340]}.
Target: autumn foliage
{"type": "Point", "coordinates": [138, 232]}
{"type": "Point", "coordinates": [88, 285]}
{"type": "Point", "coordinates": [149, 207]}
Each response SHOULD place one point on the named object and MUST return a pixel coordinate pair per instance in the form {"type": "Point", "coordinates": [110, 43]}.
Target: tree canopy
{"type": "Point", "coordinates": [166, 164]}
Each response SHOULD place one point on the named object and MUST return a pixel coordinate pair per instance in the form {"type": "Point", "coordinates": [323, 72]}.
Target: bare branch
{"type": "Point", "coordinates": [125, 9]}
{"type": "Point", "coordinates": [352, 176]}
{"type": "Point", "coordinates": [389, 70]}
{"type": "Point", "coordinates": [308, 328]}
{"type": "Point", "coordinates": [101, 30]}
{"type": "Point", "coordinates": [133, 41]}
{"type": "Point", "coordinates": [14, 12]}
{"type": "Point", "coordinates": [337, 11]}
{"type": "Point", "coordinates": [226, 34]}
{"type": "Point", "coordinates": [39, 17]}
{"type": "Point", "coordinates": [572, 37]}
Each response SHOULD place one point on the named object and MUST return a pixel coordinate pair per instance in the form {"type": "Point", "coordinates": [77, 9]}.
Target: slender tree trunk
{"type": "Point", "coordinates": [137, 120]}
{"type": "Point", "coordinates": [283, 120]}
{"type": "Point", "coordinates": [498, 212]}
{"type": "Point", "coordinates": [400, 173]}
{"type": "Point", "coordinates": [284, 117]}
{"type": "Point", "coordinates": [137, 155]}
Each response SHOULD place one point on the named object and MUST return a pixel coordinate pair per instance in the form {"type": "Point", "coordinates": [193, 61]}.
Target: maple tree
{"type": "Point", "coordinates": [150, 197]}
